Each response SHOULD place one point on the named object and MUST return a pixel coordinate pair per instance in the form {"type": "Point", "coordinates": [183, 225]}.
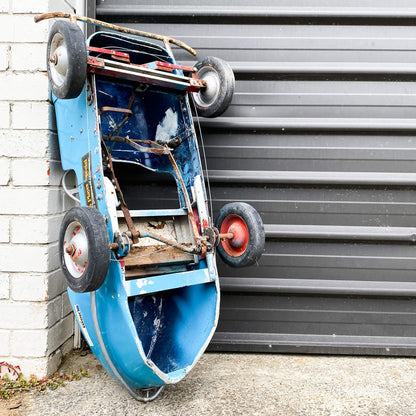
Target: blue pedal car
{"type": "Point", "coordinates": [138, 250]}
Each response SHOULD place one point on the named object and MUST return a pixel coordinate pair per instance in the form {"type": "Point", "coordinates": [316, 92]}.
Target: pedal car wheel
{"type": "Point", "coordinates": [246, 225]}
{"type": "Point", "coordinates": [66, 59]}
{"type": "Point", "coordinates": [84, 247]}
{"type": "Point", "coordinates": [213, 100]}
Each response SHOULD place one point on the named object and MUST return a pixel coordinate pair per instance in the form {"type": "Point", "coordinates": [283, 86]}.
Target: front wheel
{"type": "Point", "coordinates": [84, 247]}
{"type": "Point", "coordinates": [245, 225]}
{"type": "Point", "coordinates": [66, 59]}
{"type": "Point", "coordinates": [216, 97]}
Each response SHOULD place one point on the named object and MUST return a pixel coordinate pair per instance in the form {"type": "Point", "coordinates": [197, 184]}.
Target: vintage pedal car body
{"type": "Point", "coordinates": [142, 279]}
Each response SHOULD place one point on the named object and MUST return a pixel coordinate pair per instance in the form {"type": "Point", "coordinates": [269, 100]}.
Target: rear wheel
{"type": "Point", "coordinates": [216, 97]}
{"type": "Point", "coordinates": [66, 59]}
{"type": "Point", "coordinates": [246, 226]}
{"type": "Point", "coordinates": [84, 249]}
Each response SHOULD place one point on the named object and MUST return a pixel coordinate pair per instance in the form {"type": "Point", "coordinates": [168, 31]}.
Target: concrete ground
{"type": "Point", "coordinates": [241, 384]}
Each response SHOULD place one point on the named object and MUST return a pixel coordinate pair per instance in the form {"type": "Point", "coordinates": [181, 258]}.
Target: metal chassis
{"type": "Point", "coordinates": [105, 312]}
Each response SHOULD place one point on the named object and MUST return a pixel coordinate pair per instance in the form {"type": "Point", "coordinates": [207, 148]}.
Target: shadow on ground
{"type": "Point", "coordinates": [240, 384]}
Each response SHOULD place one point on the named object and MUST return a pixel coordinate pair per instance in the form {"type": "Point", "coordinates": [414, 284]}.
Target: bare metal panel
{"type": "Point", "coordinates": [320, 138]}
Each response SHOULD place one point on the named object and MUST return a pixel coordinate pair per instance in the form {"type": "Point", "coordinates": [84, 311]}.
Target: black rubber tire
{"type": "Point", "coordinates": [213, 100]}
{"type": "Point", "coordinates": [70, 83]}
{"type": "Point", "coordinates": [98, 253]}
{"type": "Point", "coordinates": [254, 248]}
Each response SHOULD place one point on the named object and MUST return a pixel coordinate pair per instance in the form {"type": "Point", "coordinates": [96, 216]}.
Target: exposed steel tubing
{"type": "Point", "coordinates": [73, 17]}
{"type": "Point", "coordinates": [192, 249]}
{"type": "Point", "coordinates": [227, 236]}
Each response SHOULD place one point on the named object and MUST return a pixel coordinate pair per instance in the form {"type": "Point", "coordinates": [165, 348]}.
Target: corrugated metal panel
{"type": "Point", "coordinates": [320, 138]}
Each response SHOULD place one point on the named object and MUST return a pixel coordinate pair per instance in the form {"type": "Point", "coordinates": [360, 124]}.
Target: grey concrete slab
{"type": "Point", "coordinates": [242, 384]}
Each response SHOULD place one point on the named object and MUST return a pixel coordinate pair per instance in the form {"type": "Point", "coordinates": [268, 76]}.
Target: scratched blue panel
{"type": "Point", "coordinates": [166, 282]}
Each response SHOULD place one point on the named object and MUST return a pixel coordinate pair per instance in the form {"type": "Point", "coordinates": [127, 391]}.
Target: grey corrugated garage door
{"type": "Point", "coordinates": [320, 138]}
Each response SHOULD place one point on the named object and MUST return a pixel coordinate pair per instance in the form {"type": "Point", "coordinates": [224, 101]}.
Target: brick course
{"type": "Point", "coordinates": [37, 324]}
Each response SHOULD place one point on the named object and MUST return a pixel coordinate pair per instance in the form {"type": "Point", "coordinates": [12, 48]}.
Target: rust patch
{"type": "Point", "coordinates": [159, 226]}
{"type": "Point", "coordinates": [156, 255]}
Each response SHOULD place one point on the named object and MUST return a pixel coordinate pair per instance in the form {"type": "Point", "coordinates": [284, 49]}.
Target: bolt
{"type": "Point", "coordinates": [70, 250]}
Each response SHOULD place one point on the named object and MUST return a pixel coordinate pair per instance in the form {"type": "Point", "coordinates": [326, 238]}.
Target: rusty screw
{"type": "Point", "coordinates": [113, 246]}
{"type": "Point", "coordinates": [228, 236]}
{"type": "Point", "coordinates": [53, 59]}
{"type": "Point", "coordinates": [70, 250]}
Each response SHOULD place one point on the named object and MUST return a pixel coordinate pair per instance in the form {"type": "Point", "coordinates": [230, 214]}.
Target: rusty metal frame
{"type": "Point", "coordinates": [73, 18]}
{"type": "Point", "coordinates": [135, 235]}
{"type": "Point", "coordinates": [200, 246]}
{"type": "Point", "coordinates": [127, 115]}
{"type": "Point", "coordinates": [122, 56]}
{"type": "Point", "coordinates": [161, 75]}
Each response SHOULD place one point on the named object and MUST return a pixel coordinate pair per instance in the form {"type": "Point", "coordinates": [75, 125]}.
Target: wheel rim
{"type": "Point", "coordinates": [75, 249]}
{"type": "Point", "coordinates": [235, 246]}
{"type": "Point", "coordinates": [207, 96]}
{"type": "Point", "coordinates": [58, 59]}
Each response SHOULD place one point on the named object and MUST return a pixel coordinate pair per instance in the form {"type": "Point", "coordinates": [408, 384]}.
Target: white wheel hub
{"type": "Point", "coordinates": [58, 59]}
{"type": "Point", "coordinates": [207, 96]}
{"type": "Point", "coordinates": [75, 249]}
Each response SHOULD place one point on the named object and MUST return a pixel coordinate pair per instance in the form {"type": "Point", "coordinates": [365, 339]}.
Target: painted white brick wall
{"type": "Point", "coordinates": [4, 286]}
{"type": "Point", "coordinates": [4, 229]}
{"type": "Point", "coordinates": [27, 57]}
{"type": "Point", "coordinates": [30, 6]}
{"type": "Point", "coordinates": [29, 287]}
{"type": "Point", "coordinates": [4, 171]}
{"type": "Point", "coordinates": [31, 115]}
{"type": "Point", "coordinates": [37, 347]}
{"type": "Point", "coordinates": [37, 324]}
{"type": "Point", "coordinates": [4, 57]}
{"type": "Point", "coordinates": [4, 114]}
{"type": "Point", "coordinates": [4, 6]}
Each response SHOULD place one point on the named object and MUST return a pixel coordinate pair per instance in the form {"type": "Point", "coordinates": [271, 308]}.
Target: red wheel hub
{"type": "Point", "coordinates": [236, 245]}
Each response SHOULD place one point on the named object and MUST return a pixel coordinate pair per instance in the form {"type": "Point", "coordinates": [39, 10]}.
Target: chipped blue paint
{"type": "Point", "coordinates": [150, 331]}
{"type": "Point", "coordinates": [166, 282]}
